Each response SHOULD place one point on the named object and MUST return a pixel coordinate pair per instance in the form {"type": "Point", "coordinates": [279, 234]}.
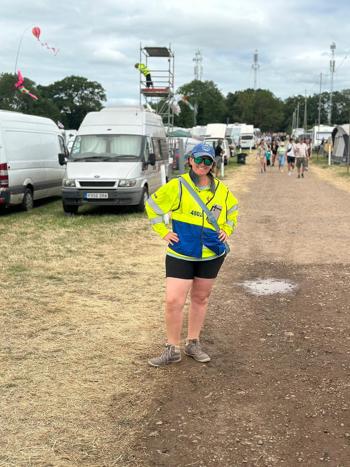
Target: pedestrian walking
{"type": "Point", "coordinates": [300, 157]}
{"type": "Point", "coordinates": [218, 158]}
{"type": "Point", "coordinates": [274, 151]}
{"type": "Point", "coordinates": [204, 214]}
{"type": "Point", "coordinates": [268, 154]}
{"type": "Point", "coordinates": [308, 153]}
{"type": "Point", "coordinates": [290, 156]}
{"type": "Point", "coordinates": [146, 72]}
{"type": "Point", "coordinates": [281, 156]}
{"type": "Point", "coordinates": [260, 154]}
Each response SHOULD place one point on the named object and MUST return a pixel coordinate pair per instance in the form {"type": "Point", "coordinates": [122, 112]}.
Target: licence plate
{"type": "Point", "coordinates": [95, 195]}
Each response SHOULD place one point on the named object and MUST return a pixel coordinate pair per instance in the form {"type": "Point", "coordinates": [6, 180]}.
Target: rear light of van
{"type": "Point", "coordinates": [4, 176]}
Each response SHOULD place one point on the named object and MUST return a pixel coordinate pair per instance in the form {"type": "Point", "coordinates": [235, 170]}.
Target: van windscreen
{"type": "Point", "coordinates": [106, 147]}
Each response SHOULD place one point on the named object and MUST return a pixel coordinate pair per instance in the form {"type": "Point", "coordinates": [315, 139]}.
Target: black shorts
{"type": "Point", "coordinates": [183, 269]}
{"type": "Point", "coordinates": [291, 160]}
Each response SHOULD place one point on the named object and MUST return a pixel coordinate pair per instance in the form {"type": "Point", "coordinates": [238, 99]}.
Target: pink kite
{"type": "Point", "coordinates": [36, 33]}
{"type": "Point", "coordinates": [21, 88]}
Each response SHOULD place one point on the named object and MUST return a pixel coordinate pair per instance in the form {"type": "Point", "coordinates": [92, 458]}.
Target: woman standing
{"type": "Point", "coordinates": [196, 248]}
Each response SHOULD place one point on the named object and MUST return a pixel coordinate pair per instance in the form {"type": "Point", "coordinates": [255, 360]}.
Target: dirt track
{"type": "Point", "coordinates": [277, 391]}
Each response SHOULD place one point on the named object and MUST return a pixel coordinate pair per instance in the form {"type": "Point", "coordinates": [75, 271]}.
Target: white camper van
{"type": "Point", "coordinates": [247, 137]}
{"type": "Point", "coordinates": [29, 150]}
{"type": "Point", "coordinates": [117, 158]}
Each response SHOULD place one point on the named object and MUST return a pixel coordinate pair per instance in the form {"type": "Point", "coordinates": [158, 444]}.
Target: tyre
{"type": "Point", "coordinates": [144, 198]}
{"type": "Point", "coordinates": [70, 209]}
{"type": "Point", "coordinates": [28, 201]}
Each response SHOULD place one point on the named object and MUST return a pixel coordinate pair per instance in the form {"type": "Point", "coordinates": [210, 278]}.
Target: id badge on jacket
{"type": "Point", "coordinates": [215, 212]}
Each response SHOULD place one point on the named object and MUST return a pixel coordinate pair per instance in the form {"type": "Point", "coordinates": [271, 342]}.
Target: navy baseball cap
{"type": "Point", "coordinates": [204, 150]}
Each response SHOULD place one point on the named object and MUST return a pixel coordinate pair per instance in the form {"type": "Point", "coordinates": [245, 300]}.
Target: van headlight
{"type": "Point", "coordinates": [70, 183]}
{"type": "Point", "coordinates": [126, 182]}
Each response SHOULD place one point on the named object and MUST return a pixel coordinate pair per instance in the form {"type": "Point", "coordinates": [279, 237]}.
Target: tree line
{"type": "Point", "coordinates": [66, 101]}
{"type": "Point", "coordinates": [70, 99]}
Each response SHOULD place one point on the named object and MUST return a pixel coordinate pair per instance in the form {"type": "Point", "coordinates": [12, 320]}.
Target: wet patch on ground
{"type": "Point", "coordinates": [268, 286]}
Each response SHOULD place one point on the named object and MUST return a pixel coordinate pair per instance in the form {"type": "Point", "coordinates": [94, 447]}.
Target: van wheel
{"type": "Point", "coordinates": [144, 198]}
{"type": "Point", "coordinates": [28, 201]}
{"type": "Point", "coordinates": [70, 209]}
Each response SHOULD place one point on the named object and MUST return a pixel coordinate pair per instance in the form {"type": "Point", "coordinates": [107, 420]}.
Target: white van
{"type": "Point", "coordinates": [29, 169]}
{"type": "Point", "coordinates": [233, 132]}
{"type": "Point", "coordinates": [117, 158]}
{"type": "Point", "coordinates": [247, 137]}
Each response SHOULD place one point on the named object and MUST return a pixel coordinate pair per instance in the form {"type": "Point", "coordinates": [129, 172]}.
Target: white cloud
{"type": "Point", "coordinates": [101, 41]}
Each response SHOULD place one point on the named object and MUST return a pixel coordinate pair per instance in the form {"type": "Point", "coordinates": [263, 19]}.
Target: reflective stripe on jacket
{"type": "Point", "coordinates": [198, 238]}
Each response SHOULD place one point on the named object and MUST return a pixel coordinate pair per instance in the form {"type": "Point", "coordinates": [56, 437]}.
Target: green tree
{"type": "Point", "coordinates": [259, 108]}
{"type": "Point", "coordinates": [206, 99]}
{"type": "Point", "coordinates": [74, 96]}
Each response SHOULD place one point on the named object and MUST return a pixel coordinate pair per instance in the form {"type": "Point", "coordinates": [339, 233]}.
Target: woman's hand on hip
{"type": "Point", "coordinates": [171, 237]}
{"type": "Point", "coordinates": [223, 236]}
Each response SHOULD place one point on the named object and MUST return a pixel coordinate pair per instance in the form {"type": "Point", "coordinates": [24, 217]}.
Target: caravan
{"type": "Point", "coordinates": [320, 133]}
{"type": "Point", "coordinates": [233, 132]}
{"type": "Point", "coordinates": [119, 157]}
{"type": "Point", "coordinates": [29, 169]}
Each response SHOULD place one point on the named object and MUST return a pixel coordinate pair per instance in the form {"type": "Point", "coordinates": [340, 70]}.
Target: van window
{"type": "Point", "coordinates": [247, 137]}
{"type": "Point", "coordinates": [147, 150]}
{"type": "Point", "coordinates": [62, 145]}
{"type": "Point", "coordinates": [106, 147]}
{"type": "Point", "coordinates": [157, 148]}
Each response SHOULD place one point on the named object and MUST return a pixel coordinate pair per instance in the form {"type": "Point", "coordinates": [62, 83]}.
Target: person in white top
{"type": "Point", "coordinates": [290, 155]}
{"type": "Point", "coordinates": [301, 153]}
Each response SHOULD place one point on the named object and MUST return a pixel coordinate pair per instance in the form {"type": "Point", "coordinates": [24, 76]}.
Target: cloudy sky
{"type": "Point", "coordinates": [101, 39]}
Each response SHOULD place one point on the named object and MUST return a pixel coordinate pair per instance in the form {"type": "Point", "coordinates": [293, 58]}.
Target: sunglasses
{"type": "Point", "coordinates": [207, 160]}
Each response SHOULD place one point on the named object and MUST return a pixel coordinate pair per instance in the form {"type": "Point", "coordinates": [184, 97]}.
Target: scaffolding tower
{"type": "Point", "coordinates": [159, 97]}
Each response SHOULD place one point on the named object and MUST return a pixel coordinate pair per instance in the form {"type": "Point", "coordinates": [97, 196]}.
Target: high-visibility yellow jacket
{"type": "Point", "coordinates": [198, 239]}
{"type": "Point", "coordinates": [143, 69]}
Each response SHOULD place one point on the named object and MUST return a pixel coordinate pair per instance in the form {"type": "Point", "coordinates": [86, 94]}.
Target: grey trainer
{"type": "Point", "coordinates": [170, 355]}
{"type": "Point", "coordinates": [193, 349]}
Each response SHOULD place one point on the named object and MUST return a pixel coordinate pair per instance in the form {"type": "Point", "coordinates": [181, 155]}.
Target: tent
{"type": "Point", "coordinates": [340, 140]}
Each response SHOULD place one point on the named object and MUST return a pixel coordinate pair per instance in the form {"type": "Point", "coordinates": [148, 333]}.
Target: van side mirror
{"type": "Point", "coordinates": [62, 158]}
{"type": "Point", "coordinates": [152, 158]}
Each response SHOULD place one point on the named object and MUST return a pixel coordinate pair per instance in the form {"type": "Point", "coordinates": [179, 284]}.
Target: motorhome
{"type": "Point", "coordinates": [216, 132]}
{"type": "Point", "coordinates": [319, 133]}
{"type": "Point", "coordinates": [119, 157]}
{"type": "Point", "coordinates": [29, 168]}
{"type": "Point", "coordinates": [247, 138]}
{"type": "Point", "coordinates": [233, 132]}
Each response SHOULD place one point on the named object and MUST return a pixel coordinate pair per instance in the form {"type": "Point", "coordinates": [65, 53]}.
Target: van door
{"type": "Point", "coordinates": [149, 171]}
{"type": "Point", "coordinates": [158, 151]}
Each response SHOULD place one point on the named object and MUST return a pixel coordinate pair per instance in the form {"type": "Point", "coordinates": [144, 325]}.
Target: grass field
{"type": "Point", "coordinates": [338, 175]}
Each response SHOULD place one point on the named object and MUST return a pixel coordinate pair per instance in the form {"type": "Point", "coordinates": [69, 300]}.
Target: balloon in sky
{"type": "Point", "coordinates": [36, 31]}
